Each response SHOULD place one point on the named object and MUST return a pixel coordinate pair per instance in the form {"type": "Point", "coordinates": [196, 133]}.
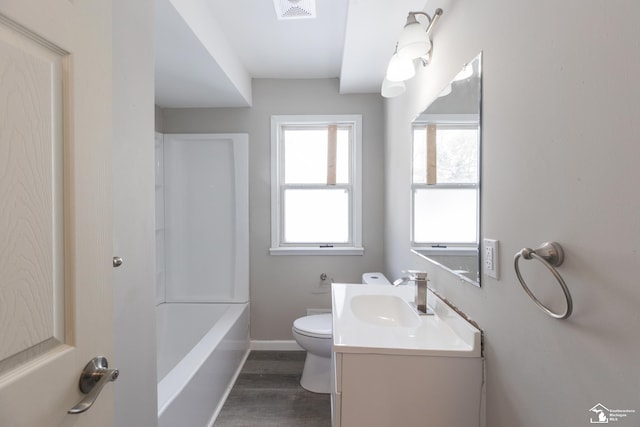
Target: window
{"type": "Point", "coordinates": [315, 185]}
{"type": "Point", "coordinates": [444, 190]}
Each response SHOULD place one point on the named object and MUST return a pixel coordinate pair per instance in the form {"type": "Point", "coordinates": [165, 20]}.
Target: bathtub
{"type": "Point", "coordinates": [201, 348]}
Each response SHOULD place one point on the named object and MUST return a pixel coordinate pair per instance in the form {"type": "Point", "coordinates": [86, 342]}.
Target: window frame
{"type": "Point", "coordinates": [354, 188]}
{"type": "Point", "coordinates": [439, 248]}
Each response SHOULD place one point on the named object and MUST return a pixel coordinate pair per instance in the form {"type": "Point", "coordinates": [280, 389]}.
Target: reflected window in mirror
{"type": "Point", "coordinates": [445, 181]}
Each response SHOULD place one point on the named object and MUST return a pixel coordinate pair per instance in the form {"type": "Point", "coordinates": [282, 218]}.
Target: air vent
{"type": "Point", "coordinates": [295, 9]}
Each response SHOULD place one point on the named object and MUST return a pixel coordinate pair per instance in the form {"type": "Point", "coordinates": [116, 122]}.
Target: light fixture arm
{"type": "Point", "coordinates": [424, 60]}
{"type": "Point", "coordinates": [411, 19]}
{"type": "Point", "coordinates": [432, 23]}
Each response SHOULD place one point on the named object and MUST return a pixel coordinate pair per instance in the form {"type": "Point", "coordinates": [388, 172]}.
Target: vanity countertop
{"type": "Point", "coordinates": [379, 319]}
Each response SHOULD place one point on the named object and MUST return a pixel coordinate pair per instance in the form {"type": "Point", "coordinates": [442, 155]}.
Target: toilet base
{"type": "Point", "coordinates": [316, 375]}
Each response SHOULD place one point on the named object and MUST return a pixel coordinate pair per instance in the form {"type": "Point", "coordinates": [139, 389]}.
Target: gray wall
{"type": "Point", "coordinates": [283, 287]}
{"type": "Point", "coordinates": [560, 152]}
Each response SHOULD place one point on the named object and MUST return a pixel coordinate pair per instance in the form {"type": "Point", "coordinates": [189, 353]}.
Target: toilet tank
{"type": "Point", "coordinates": [375, 278]}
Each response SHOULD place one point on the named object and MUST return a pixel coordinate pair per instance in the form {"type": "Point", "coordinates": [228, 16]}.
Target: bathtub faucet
{"type": "Point", "coordinates": [420, 279]}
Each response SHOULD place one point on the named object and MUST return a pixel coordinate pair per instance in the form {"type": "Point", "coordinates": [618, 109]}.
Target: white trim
{"type": "Point", "coordinates": [275, 191]}
{"type": "Point", "coordinates": [356, 219]}
{"type": "Point", "coordinates": [275, 345]}
{"type": "Point", "coordinates": [277, 122]}
{"type": "Point", "coordinates": [316, 251]}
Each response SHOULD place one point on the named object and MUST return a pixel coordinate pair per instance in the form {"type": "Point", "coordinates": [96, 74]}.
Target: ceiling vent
{"type": "Point", "coordinates": [295, 9]}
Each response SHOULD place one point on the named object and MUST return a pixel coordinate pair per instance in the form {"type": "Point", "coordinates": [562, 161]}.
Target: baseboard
{"type": "Point", "coordinates": [275, 345]}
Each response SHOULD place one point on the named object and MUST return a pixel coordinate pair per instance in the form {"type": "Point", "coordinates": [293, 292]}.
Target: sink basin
{"type": "Point", "coordinates": [379, 319]}
{"type": "Point", "coordinates": [384, 310]}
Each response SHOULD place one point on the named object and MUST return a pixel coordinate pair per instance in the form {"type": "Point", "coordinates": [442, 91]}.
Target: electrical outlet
{"type": "Point", "coordinates": [490, 259]}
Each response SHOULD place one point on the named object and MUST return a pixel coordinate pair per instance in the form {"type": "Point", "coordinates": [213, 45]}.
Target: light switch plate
{"type": "Point", "coordinates": [490, 258]}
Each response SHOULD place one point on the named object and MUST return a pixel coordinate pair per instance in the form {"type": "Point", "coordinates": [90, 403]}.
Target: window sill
{"type": "Point", "coordinates": [317, 251]}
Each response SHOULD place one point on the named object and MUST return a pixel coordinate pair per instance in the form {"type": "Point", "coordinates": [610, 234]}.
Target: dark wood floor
{"type": "Point", "coordinates": [268, 393]}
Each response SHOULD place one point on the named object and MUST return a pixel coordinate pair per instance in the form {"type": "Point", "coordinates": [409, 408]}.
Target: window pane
{"type": "Point", "coordinates": [457, 155]}
{"type": "Point", "coordinates": [305, 155]}
{"type": "Point", "coordinates": [444, 215]}
{"type": "Point", "coordinates": [316, 216]}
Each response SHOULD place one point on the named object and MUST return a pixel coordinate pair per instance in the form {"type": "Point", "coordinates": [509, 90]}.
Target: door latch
{"type": "Point", "coordinates": [93, 378]}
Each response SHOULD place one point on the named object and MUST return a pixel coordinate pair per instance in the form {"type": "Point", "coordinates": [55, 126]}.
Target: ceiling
{"type": "Point", "coordinates": [208, 51]}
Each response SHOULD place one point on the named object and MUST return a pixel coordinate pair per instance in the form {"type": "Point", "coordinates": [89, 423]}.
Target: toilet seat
{"type": "Point", "coordinates": [316, 326]}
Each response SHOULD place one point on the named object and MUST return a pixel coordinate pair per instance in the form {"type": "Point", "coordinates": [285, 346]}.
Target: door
{"type": "Point", "coordinates": [55, 208]}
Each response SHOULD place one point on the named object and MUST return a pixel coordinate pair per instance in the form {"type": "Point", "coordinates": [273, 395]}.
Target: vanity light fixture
{"type": "Point", "coordinates": [414, 43]}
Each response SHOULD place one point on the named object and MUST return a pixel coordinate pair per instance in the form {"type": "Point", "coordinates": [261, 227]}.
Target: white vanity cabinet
{"type": "Point", "coordinates": [388, 375]}
{"type": "Point", "coordinates": [394, 390]}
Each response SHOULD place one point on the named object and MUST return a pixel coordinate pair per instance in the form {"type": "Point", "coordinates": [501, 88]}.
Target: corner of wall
{"type": "Point", "coordinates": [159, 119]}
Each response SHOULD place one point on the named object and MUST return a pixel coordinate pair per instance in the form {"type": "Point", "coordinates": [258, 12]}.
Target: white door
{"type": "Point", "coordinates": [55, 208]}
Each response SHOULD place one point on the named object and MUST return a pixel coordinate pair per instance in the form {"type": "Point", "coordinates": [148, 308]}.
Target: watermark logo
{"type": "Point", "coordinates": [600, 414]}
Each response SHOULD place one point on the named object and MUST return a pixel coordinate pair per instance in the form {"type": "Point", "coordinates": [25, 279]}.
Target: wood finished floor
{"type": "Point", "coordinates": [268, 393]}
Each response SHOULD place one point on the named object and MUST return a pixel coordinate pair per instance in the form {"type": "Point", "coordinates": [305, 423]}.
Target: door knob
{"type": "Point", "coordinates": [92, 379]}
{"type": "Point", "coordinates": [117, 261]}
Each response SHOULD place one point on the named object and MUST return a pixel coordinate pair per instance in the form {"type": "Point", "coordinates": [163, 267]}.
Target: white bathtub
{"type": "Point", "coordinates": [201, 348]}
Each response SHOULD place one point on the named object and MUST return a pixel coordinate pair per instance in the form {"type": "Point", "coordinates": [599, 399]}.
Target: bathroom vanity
{"type": "Point", "coordinates": [391, 366]}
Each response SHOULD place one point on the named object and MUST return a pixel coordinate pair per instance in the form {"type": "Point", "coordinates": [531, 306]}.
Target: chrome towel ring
{"type": "Point", "coordinates": [551, 255]}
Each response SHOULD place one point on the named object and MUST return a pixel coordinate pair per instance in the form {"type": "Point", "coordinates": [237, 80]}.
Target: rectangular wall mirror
{"type": "Point", "coordinates": [445, 189]}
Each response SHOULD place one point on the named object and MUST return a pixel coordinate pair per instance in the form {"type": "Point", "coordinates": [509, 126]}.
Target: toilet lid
{"type": "Point", "coordinates": [316, 324]}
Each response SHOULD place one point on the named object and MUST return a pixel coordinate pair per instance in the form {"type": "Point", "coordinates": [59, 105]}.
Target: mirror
{"type": "Point", "coordinates": [445, 189]}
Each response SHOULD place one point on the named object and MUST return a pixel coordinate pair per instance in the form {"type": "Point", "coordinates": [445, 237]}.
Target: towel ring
{"type": "Point", "coordinates": [551, 255]}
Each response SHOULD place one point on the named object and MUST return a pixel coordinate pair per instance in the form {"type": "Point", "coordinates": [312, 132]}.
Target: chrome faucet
{"type": "Point", "coordinates": [420, 279]}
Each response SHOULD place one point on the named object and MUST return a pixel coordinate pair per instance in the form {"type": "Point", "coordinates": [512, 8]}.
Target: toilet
{"type": "Point", "coordinates": [314, 333]}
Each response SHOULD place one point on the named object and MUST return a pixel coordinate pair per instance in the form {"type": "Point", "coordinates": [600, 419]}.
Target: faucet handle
{"type": "Point", "coordinates": [411, 275]}
{"type": "Point", "coordinates": [416, 274]}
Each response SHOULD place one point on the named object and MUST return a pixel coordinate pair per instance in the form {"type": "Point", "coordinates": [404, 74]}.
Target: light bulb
{"type": "Point", "coordinates": [413, 41]}
{"type": "Point", "coordinates": [392, 89]}
{"type": "Point", "coordinates": [400, 69]}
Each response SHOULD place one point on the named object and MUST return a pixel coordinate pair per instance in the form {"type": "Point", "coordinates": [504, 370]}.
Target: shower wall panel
{"type": "Point", "coordinates": [206, 218]}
